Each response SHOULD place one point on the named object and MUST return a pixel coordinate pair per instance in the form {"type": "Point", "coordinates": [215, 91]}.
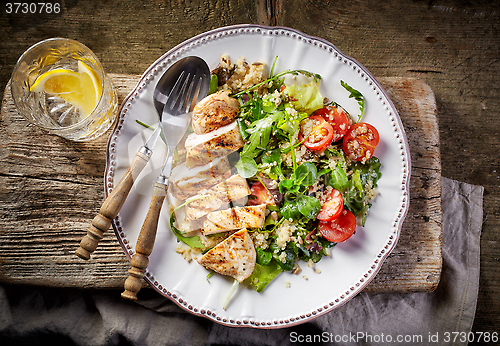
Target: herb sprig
{"type": "Point", "coordinates": [357, 96]}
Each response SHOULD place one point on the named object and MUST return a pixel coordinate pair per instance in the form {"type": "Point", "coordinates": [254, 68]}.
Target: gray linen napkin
{"type": "Point", "coordinates": [83, 317]}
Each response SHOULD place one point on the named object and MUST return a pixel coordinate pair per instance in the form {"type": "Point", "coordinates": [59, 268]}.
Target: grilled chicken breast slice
{"type": "Point", "coordinates": [185, 182]}
{"type": "Point", "coordinates": [214, 111]}
{"type": "Point", "coordinates": [230, 190]}
{"type": "Point", "coordinates": [202, 149]}
{"type": "Point", "coordinates": [234, 257]}
{"type": "Point", "coordinates": [235, 218]}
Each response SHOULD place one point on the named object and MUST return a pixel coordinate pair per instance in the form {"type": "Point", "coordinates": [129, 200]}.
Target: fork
{"type": "Point", "coordinates": [175, 120]}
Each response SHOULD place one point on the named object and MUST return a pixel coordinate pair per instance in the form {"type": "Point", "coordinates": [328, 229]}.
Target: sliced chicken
{"type": "Point", "coordinates": [235, 218]}
{"type": "Point", "coordinates": [214, 111]}
{"type": "Point", "coordinates": [233, 189]}
{"type": "Point", "coordinates": [186, 182]}
{"type": "Point", "coordinates": [235, 256]}
{"type": "Point", "coordinates": [202, 149]}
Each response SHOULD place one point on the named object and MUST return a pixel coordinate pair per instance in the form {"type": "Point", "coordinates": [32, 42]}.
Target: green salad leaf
{"type": "Point", "coordinates": [308, 206]}
{"type": "Point", "coordinates": [370, 171]}
{"type": "Point", "coordinates": [306, 174]}
{"type": "Point", "coordinates": [338, 178]}
{"type": "Point", "coordinates": [361, 182]}
{"type": "Point", "coordinates": [246, 166]}
{"type": "Point", "coordinates": [263, 257]}
{"type": "Point", "coordinates": [305, 97]}
{"type": "Point", "coordinates": [263, 275]}
{"type": "Point", "coordinates": [357, 96]}
{"type": "Point", "coordinates": [259, 131]}
{"type": "Point", "coordinates": [192, 242]}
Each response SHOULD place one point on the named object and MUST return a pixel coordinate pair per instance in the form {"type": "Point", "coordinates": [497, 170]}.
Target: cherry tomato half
{"type": "Point", "coordinates": [319, 133]}
{"type": "Point", "coordinates": [260, 195]}
{"type": "Point", "coordinates": [338, 118]}
{"type": "Point", "coordinates": [339, 229]}
{"type": "Point", "coordinates": [332, 206]}
{"type": "Point", "coordinates": [360, 141]}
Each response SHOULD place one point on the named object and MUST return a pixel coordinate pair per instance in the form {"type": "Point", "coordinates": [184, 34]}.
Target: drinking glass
{"type": "Point", "coordinates": [50, 111]}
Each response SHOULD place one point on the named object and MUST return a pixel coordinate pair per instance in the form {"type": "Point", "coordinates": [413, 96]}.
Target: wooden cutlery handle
{"type": "Point", "coordinates": [111, 206]}
{"type": "Point", "coordinates": [145, 244]}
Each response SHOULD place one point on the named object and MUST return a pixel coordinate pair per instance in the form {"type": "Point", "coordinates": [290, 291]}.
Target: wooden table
{"type": "Point", "coordinates": [62, 188]}
{"type": "Point", "coordinates": [50, 188]}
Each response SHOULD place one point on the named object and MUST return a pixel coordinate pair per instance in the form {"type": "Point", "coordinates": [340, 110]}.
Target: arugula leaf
{"type": "Point", "coordinates": [263, 116]}
{"type": "Point", "coordinates": [243, 128]}
{"type": "Point", "coordinates": [276, 251]}
{"type": "Point", "coordinates": [324, 171]}
{"type": "Point", "coordinates": [357, 96]}
{"type": "Point", "coordinates": [289, 260]}
{"type": "Point", "coordinates": [354, 201]}
{"type": "Point", "coordinates": [272, 156]}
{"type": "Point", "coordinates": [259, 131]}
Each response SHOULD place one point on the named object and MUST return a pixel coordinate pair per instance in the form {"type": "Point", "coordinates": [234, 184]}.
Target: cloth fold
{"type": "Point", "coordinates": [37, 315]}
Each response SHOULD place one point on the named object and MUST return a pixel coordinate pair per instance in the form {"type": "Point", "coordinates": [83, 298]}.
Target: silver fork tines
{"type": "Point", "coordinates": [176, 118]}
{"type": "Point", "coordinates": [184, 99]}
{"type": "Point", "coordinates": [194, 95]}
{"type": "Point", "coordinates": [176, 91]}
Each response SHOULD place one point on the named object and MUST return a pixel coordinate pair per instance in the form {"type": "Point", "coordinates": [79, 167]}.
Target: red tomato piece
{"type": "Point", "coordinates": [318, 133]}
{"type": "Point", "coordinates": [338, 118]}
{"type": "Point", "coordinates": [260, 195]}
{"type": "Point", "coordinates": [360, 141]}
{"type": "Point", "coordinates": [332, 206]}
{"type": "Point", "coordinates": [339, 229]}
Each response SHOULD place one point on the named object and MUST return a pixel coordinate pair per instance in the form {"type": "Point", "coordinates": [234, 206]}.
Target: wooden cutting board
{"type": "Point", "coordinates": [50, 189]}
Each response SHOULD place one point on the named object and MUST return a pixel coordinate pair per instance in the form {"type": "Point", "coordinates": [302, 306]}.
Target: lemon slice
{"type": "Point", "coordinates": [82, 89]}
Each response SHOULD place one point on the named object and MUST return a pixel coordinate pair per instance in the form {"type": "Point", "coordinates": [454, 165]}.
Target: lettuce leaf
{"type": "Point", "coordinates": [306, 97]}
{"type": "Point", "coordinates": [263, 275]}
{"type": "Point", "coordinates": [192, 242]}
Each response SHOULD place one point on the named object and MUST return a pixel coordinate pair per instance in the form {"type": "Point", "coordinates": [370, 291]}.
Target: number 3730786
{"type": "Point", "coordinates": [484, 337]}
{"type": "Point", "coordinates": [32, 7]}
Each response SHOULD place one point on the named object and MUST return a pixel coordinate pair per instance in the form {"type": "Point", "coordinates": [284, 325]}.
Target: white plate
{"type": "Point", "coordinates": [352, 264]}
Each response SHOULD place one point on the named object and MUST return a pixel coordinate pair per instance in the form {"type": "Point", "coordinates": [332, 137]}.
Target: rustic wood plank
{"type": "Point", "coordinates": [47, 204]}
{"type": "Point", "coordinates": [417, 256]}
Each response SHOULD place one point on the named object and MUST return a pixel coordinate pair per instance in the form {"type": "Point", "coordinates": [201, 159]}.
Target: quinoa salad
{"type": "Point", "coordinates": [271, 175]}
